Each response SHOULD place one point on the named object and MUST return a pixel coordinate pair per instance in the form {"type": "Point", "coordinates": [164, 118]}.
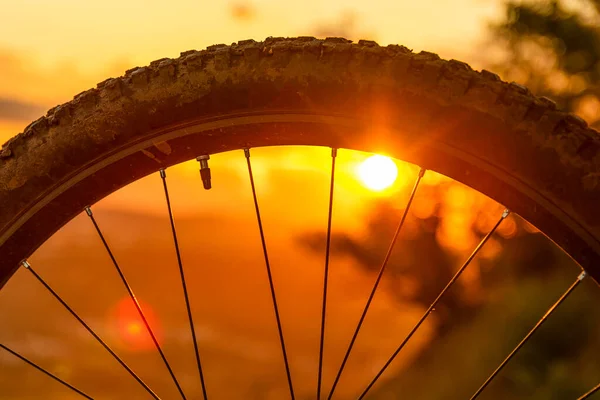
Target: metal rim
{"type": "Point", "coordinates": [185, 141]}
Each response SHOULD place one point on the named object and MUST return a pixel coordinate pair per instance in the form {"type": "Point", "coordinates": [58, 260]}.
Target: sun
{"type": "Point", "coordinates": [378, 172]}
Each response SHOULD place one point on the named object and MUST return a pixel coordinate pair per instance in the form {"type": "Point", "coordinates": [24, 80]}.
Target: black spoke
{"type": "Point", "coordinates": [90, 330]}
{"type": "Point", "coordinates": [135, 301]}
{"type": "Point", "coordinates": [268, 265]}
{"type": "Point", "coordinates": [376, 284]}
{"type": "Point", "coordinates": [531, 332]}
{"type": "Point", "coordinates": [163, 175]}
{"type": "Point", "coordinates": [591, 392]}
{"type": "Point", "coordinates": [435, 302]}
{"type": "Point", "coordinates": [51, 375]}
{"type": "Point", "coordinates": [326, 273]}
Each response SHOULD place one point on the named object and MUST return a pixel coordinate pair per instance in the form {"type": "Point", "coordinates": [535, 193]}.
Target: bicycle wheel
{"type": "Point", "coordinates": [493, 136]}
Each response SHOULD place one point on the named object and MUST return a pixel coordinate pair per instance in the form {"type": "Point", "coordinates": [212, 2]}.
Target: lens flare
{"type": "Point", "coordinates": [378, 172]}
{"type": "Point", "coordinates": [130, 328]}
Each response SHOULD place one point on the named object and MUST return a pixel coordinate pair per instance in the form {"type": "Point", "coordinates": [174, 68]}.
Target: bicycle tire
{"type": "Point", "coordinates": [494, 136]}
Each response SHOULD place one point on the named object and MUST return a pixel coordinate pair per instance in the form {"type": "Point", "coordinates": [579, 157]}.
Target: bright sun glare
{"type": "Point", "coordinates": [378, 172]}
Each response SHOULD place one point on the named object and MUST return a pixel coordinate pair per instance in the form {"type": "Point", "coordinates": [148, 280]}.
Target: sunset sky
{"type": "Point", "coordinates": [52, 50]}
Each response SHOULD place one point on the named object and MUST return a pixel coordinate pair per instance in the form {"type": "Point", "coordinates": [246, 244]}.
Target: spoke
{"type": "Point", "coordinates": [135, 301]}
{"type": "Point", "coordinates": [531, 332]}
{"type": "Point", "coordinates": [163, 175]}
{"type": "Point", "coordinates": [591, 392]}
{"type": "Point", "coordinates": [435, 302]}
{"type": "Point", "coordinates": [268, 265]}
{"type": "Point", "coordinates": [327, 248]}
{"type": "Point", "coordinates": [90, 330]}
{"type": "Point", "coordinates": [51, 375]}
{"type": "Point", "coordinates": [376, 284]}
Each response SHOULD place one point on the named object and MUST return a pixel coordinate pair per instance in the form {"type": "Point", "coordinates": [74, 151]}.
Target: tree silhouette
{"type": "Point", "coordinates": [554, 49]}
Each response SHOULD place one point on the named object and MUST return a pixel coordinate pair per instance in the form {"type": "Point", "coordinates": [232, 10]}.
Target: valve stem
{"type": "Point", "coordinates": [204, 170]}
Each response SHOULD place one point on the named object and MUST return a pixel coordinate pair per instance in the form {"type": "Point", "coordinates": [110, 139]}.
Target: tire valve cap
{"type": "Point", "coordinates": [204, 170]}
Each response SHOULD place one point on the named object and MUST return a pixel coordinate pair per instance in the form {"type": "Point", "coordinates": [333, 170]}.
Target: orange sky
{"type": "Point", "coordinates": [50, 51]}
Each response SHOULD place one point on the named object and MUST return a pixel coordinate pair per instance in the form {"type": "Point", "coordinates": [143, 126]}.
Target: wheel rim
{"type": "Point", "coordinates": [186, 141]}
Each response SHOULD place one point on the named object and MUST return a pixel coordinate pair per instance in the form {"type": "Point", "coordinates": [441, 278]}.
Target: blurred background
{"type": "Point", "coordinates": [50, 51]}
